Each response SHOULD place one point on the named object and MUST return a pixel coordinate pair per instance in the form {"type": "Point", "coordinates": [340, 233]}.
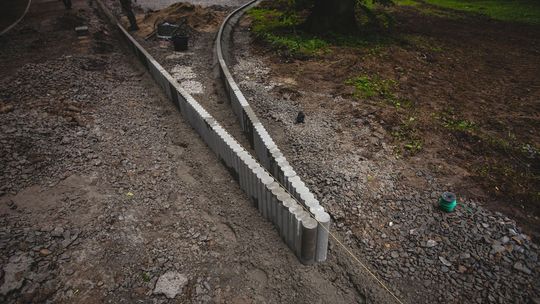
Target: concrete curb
{"type": "Point", "coordinates": [7, 29]}
{"type": "Point", "coordinates": [265, 148]}
{"type": "Point", "coordinates": [299, 233]}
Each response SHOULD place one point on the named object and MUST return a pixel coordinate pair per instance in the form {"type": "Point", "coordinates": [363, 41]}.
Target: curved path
{"type": "Point", "coordinates": [276, 191]}
{"type": "Point", "coordinates": [13, 11]}
{"type": "Point", "coordinates": [254, 179]}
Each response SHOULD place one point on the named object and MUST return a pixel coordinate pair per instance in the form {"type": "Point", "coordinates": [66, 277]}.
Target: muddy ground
{"type": "Point", "coordinates": [381, 194]}
{"type": "Point", "coordinates": [464, 104]}
{"type": "Point", "coordinates": [12, 10]}
{"type": "Point", "coordinates": [108, 196]}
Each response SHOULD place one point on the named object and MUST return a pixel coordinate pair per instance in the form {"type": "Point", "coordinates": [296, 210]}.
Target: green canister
{"type": "Point", "coordinates": [447, 202]}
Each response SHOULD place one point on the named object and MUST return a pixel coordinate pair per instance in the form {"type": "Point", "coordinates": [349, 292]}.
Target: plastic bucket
{"type": "Point", "coordinates": [166, 30]}
{"type": "Point", "coordinates": [180, 43]}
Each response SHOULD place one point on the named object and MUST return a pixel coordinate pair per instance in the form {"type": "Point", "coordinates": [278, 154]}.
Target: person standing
{"type": "Point", "coordinates": [67, 4]}
{"type": "Point", "coordinates": [126, 7]}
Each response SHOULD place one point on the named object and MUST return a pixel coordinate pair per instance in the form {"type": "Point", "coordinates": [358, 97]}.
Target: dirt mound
{"type": "Point", "coordinates": [198, 18]}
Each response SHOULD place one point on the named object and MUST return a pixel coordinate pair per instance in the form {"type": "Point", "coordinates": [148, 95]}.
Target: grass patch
{"type": "Point", "coordinates": [366, 86]}
{"type": "Point", "coordinates": [508, 165]}
{"type": "Point", "coordinates": [407, 133]}
{"type": "Point", "coordinates": [407, 2]}
{"type": "Point", "coordinates": [297, 46]}
{"type": "Point", "coordinates": [451, 121]}
{"type": "Point", "coordinates": [523, 11]}
{"type": "Point", "coordinates": [145, 276]}
{"type": "Point", "coordinates": [279, 29]}
{"type": "Point", "coordinates": [375, 87]}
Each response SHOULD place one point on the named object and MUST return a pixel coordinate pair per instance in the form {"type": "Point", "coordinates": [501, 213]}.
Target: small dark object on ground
{"type": "Point", "coordinates": [166, 30]}
{"type": "Point", "coordinates": [300, 118]}
{"type": "Point", "coordinates": [447, 202]}
{"type": "Point", "coordinates": [180, 42]}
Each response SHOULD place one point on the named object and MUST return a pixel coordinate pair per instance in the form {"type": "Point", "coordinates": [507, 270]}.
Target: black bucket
{"type": "Point", "coordinates": [180, 43]}
{"type": "Point", "coordinates": [166, 30]}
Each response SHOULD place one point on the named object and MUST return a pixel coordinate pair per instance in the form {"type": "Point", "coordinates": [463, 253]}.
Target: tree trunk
{"type": "Point", "coordinates": [332, 16]}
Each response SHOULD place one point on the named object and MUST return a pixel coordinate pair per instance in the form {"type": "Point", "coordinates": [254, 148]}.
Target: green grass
{"type": "Point", "coordinates": [279, 30]}
{"type": "Point", "coordinates": [376, 87]}
{"type": "Point", "coordinates": [297, 45]}
{"type": "Point", "coordinates": [407, 133]}
{"type": "Point", "coordinates": [407, 2]}
{"type": "Point", "coordinates": [523, 11]}
{"type": "Point", "coordinates": [450, 120]}
{"type": "Point", "coordinates": [462, 125]}
{"type": "Point", "coordinates": [370, 86]}
{"type": "Point", "coordinates": [146, 277]}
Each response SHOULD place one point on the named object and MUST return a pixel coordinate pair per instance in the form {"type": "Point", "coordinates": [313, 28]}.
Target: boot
{"type": "Point", "coordinates": [132, 21]}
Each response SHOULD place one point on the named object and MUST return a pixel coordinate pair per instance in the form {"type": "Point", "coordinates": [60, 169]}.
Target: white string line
{"type": "Point", "coordinates": [337, 240]}
{"type": "Point", "coordinates": [304, 207]}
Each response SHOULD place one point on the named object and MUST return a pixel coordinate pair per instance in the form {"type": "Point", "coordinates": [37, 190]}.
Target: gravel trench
{"type": "Point", "coordinates": [107, 196]}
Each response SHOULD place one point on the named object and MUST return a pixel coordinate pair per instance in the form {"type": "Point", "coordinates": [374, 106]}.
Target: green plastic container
{"type": "Point", "coordinates": [447, 202]}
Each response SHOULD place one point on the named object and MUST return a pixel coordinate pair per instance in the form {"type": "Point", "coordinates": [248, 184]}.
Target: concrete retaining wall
{"type": "Point", "coordinates": [265, 148]}
{"type": "Point", "coordinates": [297, 228]}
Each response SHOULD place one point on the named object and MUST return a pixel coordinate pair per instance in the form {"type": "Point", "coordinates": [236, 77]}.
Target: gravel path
{"type": "Point", "coordinates": [195, 71]}
{"type": "Point", "coordinates": [108, 196]}
{"type": "Point", "coordinates": [383, 206]}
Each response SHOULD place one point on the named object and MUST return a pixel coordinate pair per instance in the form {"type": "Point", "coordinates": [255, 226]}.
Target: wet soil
{"type": "Point", "coordinates": [12, 11]}
{"type": "Point", "coordinates": [469, 101]}
{"type": "Point", "coordinates": [382, 196]}
{"type": "Point", "coordinates": [104, 188]}
{"type": "Point", "coordinates": [197, 72]}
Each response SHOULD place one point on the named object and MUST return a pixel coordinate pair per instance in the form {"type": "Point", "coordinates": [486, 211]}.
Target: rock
{"type": "Point", "coordinates": [300, 117]}
{"type": "Point", "coordinates": [14, 273]}
{"type": "Point", "coordinates": [57, 232]}
{"type": "Point", "coordinates": [73, 108]}
{"type": "Point", "coordinates": [462, 269]}
{"type": "Point", "coordinates": [6, 109]}
{"type": "Point", "coordinates": [430, 243]}
{"type": "Point", "coordinates": [170, 284]}
{"type": "Point", "coordinates": [394, 254]}
{"type": "Point", "coordinates": [519, 266]}
{"type": "Point", "coordinates": [497, 248]}
{"type": "Point", "coordinates": [445, 261]}
{"type": "Point", "coordinates": [44, 252]}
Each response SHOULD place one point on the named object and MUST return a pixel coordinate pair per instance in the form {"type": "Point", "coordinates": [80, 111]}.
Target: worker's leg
{"type": "Point", "coordinates": [126, 6]}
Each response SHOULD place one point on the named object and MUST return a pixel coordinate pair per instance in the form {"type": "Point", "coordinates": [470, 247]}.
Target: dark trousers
{"type": "Point", "coordinates": [126, 7]}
